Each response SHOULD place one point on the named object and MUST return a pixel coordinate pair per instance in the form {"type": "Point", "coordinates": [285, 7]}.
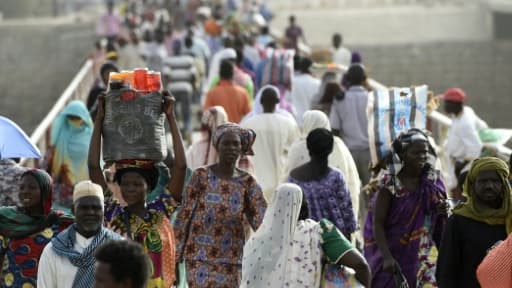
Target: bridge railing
{"type": "Point", "coordinates": [78, 89]}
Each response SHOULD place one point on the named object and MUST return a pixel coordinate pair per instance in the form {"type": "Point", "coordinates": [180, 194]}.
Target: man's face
{"type": "Point", "coordinates": [336, 41]}
{"type": "Point", "coordinates": [104, 279]}
{"type": "Point", "coordinates": [488, 189]}
{"type": "Point", "coordinates": [451, 107]}
{"type": "Point", "coordinates": [88, 215]}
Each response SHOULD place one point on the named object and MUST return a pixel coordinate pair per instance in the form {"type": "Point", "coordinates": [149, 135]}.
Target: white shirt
{"type": "Point", "coordinates": [56, 271]}
{"type": "Point", "coordinates": [275, 134]}
{"type": "Point", "coordinates": [463, 142]}
{"type": "Point", "coordinates": [304, 88]}
{"type": "Point", "coordinates": [341, 56]}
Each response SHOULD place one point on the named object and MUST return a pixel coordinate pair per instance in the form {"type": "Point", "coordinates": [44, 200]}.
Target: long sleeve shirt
{"type": "Point", "coordinates": [463, 142]}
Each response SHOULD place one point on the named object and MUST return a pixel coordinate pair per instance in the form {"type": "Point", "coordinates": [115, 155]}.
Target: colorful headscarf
{"type": "Point", "coordinates": [46, 185]}
{"type": "Point", "coordinates": [14, 223]}
{"type": "Point", "coordinates": [395, 164]}
{"type": "Point", "coordinates": [468, 209]}
{"type": "Point", "coordinates": [156, 174]}
{"type": "Point", "coordinates": [146, 168]}
{"type": "Point", "coordinates": [402, 143]}
{"type": "Point", "coordinates": [213, 117]}
{"type": "Point", "coordinates": [247, 136]}
{"type": "Point", "coordinates": [71, 144]}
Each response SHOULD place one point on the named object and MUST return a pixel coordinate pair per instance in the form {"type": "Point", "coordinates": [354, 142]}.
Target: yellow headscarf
{"type": "Point", "coordinates": [501, 216]}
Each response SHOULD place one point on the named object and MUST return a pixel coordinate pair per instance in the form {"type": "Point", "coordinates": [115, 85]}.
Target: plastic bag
{"type": "Point", "coordinates": [391, 112]}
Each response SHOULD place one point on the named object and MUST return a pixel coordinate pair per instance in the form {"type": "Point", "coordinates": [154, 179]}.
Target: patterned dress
{"type": "Point", "coordinates": [214, 244]}
{"type": "Point", "coordinates": [22, 258]}
{"type": "Point", "coordinates": [413, 230]}
{"type": "Point", "coordinates": [153, 231]}
{"type": "Point", "coordinates": [329, 198]}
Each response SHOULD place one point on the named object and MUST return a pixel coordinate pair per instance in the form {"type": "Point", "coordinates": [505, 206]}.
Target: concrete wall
{"type": "Point", "coordinates": [391, 25]}
{"type": "Point", "coordinates": [38, 62]}
{"type": "Point", "coordinates": [482, 69]}
{"type": "Point", "coordinates": [11, 9]}
{"type": "Point", "coordinates": [439, 45]}
{"type": "Point", "coordinates": [26, 8]}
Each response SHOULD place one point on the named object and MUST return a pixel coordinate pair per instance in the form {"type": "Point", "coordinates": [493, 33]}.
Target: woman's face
{"type": "Point", "coordinates": [230, 147]}
{"type": "Point", "coordinates": [415, 155]}
{"type": "Point", "coordinates": [30, 192]}
{"type": "Point", "coordinates": [133, 188]}
{"type": "Point", "coordinates": [75, 121]}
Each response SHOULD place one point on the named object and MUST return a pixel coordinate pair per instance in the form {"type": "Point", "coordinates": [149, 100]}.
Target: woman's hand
{"type": "Point", "coordinates": [168, 104]}
{"type": "Point", "coordinates": [389, 265]}
{"type": "Point", "coordinates": [443, 207]}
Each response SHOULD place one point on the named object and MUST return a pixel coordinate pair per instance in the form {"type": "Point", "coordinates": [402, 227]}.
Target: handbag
{"type": "Point", "coordinates": [398, 276]}
{"type": "Point", "coordinates": [335, 276]}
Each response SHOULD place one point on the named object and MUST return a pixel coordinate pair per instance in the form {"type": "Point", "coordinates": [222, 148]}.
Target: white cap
{"type": "Point", "coordinates": [87, 188]}
{"type": "Point", "coordinates": [205, 11]}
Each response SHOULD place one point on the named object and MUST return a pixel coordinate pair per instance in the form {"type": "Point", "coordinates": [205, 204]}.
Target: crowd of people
{"type": "Point", "coordinates": [278, 190]}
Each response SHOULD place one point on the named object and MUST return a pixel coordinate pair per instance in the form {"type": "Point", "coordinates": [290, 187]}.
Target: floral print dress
{"type": "Point", "coordinates": [153, 231]}
{"type": "Point", "coordinates": [213, 214]}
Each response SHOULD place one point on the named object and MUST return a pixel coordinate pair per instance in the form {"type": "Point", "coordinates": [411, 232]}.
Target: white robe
{"type": "Point", "coordinates": [55, 271]}
{"type": "Point", "coordinates": [269, 254]}
{"type": "Point", "coordinates": [274, 135]}
{"type": "Point", "coordinates": [305, 87]}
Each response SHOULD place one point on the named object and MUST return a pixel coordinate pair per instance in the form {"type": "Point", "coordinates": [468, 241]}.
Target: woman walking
{"type": "Point", "coordinates": [324, 187]}
{"type": "Point", "coordinates": [144, 222]}
{"type": "Point", "coordinates": [67, 156]}
{"type": "Point", "coordinates": [407, 215]}
{"type": "Point", "coordinates": [291, 252]}
{"type": "Point", "coordinates": [210, 225]}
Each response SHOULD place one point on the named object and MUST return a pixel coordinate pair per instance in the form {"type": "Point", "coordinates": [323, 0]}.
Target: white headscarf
{"type": "Point", "coordinates": [224, 54]}
{"type": "Point", "coordinates": [257, 108]}
{"type": "Point", "coordinates": [271, 254]}
{"type": "Point", "coordinates": [312, 120]}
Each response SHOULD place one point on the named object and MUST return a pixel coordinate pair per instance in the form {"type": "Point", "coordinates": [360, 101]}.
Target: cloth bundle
{"type": "Point", "coordinates": [391, 112]}
{"type": "Point", "coordinates": [276, 68]}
